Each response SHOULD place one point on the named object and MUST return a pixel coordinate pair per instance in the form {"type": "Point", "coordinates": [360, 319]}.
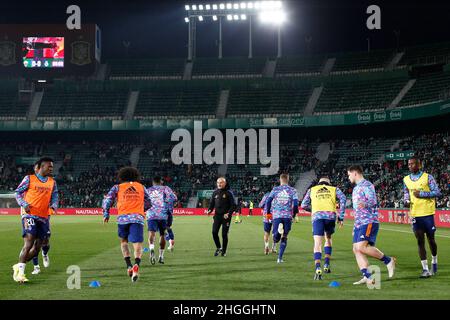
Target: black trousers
{"type": "Point", "coordinates": [219, 221]}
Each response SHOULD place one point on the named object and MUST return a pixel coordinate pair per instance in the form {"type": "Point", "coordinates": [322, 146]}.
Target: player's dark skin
{"type": "Point", "coordinates": [32, 245]}
{"type": "Point", "coordinates": [414, 168]}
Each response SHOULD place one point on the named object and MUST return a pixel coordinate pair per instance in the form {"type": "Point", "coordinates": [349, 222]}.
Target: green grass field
{"type": "Point", "coordinates": [192, 272]}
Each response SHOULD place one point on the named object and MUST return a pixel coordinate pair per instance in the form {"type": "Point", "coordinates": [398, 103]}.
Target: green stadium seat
{"type": "Point", "coordinates": [206, 68]}
{"type": "Point", "coordinates": [363, 95]}
{"type": "Point", "coordinates": [428, 88]}
{"type": "Point", "coordinates": [361, 61]}
{"type": "Point", "coordinates": [145, 69]}
{"type": "Point", "coordinates": [164, 103]}
{"type": "Point", "coordinates": [300, 65]}
{"type": "Point", "coordinates": [83, 105]}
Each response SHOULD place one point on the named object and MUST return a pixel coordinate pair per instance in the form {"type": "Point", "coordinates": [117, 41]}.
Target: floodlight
{"type": "Point", "coordinates": [214, 6]}
{"type": "Point", "coordinates": [236, 6]}
{"type": "Point", "coordinates": [208, 7]}
{"type": "Point", "coordinates": [243, 17]}
{"type": "Point", "coordinates": [250, 5]}
{"type": "Point", "coordinates": [229, 6]}
{"type": "Point", "coordinates": [222, 6]}
{"type": "Point", "coordinates": [229, 17]}
{"type": "Point", "coordinates": [200, 7]}
{"type": "Point", "coordinates": [243, 5]}
{"type": "Point", "coordinates": [186, 19]}
{"type": "Point", "coordinates": [194, 7]}
{"type": "Point", "coordinates": [215, 18]}
{"type": "Point", "coordinates": [235, 17]}
{"type": "Point", "coordinates": [200, 18]}
{"type": "Point", "coordinates": [275, 17]}
{"type": "Point", "coordinates": [186, 7]}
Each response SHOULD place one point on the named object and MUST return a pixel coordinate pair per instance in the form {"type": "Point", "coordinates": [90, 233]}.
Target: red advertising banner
{"type": "Point", "coordinates": [399, 216]}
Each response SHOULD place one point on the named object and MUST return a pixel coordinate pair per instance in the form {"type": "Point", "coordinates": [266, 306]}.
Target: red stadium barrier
{"type": "Point", "coordinates": [399, 216]}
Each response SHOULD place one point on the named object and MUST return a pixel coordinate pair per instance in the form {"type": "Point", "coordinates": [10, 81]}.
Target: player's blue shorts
{"type": "Point", "coordinates": [322, 226]}
{"type": "Point", "coordinates": [157, 225]}
{"type": "Point", "coordinates": [287, 223]}
{"type": "Point", "coordinates": [267, 226]}
{"type": "Point", "coordinates": [367, 232]}
{"type": "Point", "coordinates": [133, 232]}
{"type": "Point", "coordinates": [169, 220]}
{"type": "Point", "coordinates": [39, 228]}
{"type": "Point", "coordinates": [425, 224]}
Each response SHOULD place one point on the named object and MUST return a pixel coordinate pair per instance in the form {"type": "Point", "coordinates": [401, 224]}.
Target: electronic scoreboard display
{"type": "Point", "coordinates": [43, 52]}
{"type": "Point", "coordinates": [49, 51]}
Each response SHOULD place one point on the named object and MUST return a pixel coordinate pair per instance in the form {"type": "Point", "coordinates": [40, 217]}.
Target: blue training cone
{"type": "Point", "coordinates": [94, 284]}
{"type": "Point", "coordinates": [334, 284]}
{"type": "Point", "coordinates": [146, 250]}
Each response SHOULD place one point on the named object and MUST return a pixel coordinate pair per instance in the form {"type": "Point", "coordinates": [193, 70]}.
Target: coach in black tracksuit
{"type": "Point", "coordinates": [224, 204]}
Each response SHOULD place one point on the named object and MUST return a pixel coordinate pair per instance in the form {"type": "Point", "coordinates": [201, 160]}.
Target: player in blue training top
{"type": "Point", "coordinates": [162, 199]}
{"type": "Point", "coordinates": [170, 236]}
{"type": "Point", "coordinates": [365, 207]}
{"type": "Point", "coordinates": [282, 203]}
{"type": "Point", "coordinates": [322, 199]}
{"type": "Point", "coordinates": [267, 223]}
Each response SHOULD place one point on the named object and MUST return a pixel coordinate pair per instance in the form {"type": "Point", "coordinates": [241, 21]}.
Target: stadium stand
{"type": "Point", "coordinates": [361, 61]}
{"type": "Point", "coordinates": [86, 170]}
{"type": "Point", "coordinates": [82, 104]}
{"type": "Point", "coordinates": [299, 65]}
{"type": "Point", "coordinates": [357, 82]}
{"type": "Point", "coordinates": [268, 101]}
{"type": "Point", "coordinates": [359, 95]}
{"type": "Point", "coordinates": [11, 108]}
{"type": "Point", "coordinates": [207, 68]}
{"type": "Point", "coordinates": [164, 103]}
{"type": "Point", "coordinates": [387, 176]}
{"type": "Point", "coordinates": [145, 69]}
{"type": "Point", "coordinates": [438, 53]}
{"type": "Point", "coordinates": [428, 88]}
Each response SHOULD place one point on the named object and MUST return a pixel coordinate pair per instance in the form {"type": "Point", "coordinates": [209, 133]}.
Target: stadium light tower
{"type": "Point", "coordinates": [271, 12]}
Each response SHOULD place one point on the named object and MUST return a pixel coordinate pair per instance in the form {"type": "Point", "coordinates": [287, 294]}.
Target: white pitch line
{"type": "Point", "coordinates": [403, 231]}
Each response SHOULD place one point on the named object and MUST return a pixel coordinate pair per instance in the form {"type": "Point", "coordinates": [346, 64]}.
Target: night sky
{"type": "Point", "coordinates": [156, 29]}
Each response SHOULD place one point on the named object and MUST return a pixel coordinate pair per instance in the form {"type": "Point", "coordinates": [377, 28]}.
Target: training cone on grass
{"type": "Point", "coordinates": [94, 284]}
{"type": "Point", "coordinates": [334, 284]}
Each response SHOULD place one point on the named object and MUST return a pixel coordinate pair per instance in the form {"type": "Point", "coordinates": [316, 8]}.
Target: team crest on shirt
{"type": "Point", "coordinates": [224, 196]}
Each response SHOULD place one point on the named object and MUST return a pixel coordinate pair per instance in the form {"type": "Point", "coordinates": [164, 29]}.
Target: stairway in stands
{"type": "Point", "coordinates": [308, 177]}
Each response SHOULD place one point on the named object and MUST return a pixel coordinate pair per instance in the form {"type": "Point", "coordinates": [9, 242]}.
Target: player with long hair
{"type": "Point", "coordinates": [132, 201]}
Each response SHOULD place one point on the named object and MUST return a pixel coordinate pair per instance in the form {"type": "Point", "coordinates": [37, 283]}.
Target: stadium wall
{"type": "Point", "coordinates": [398, 216]}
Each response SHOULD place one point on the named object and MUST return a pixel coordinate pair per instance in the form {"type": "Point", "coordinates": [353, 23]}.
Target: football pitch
{"type": "Point", "coordinates": [192, 272]}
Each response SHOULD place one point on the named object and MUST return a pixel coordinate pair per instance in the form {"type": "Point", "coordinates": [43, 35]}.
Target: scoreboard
{"type": "Point", "coordinates": [48, 51]}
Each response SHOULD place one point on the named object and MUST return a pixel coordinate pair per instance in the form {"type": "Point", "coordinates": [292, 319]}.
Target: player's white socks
{"type": "Point", "coordinates": [21, 268]}
{"type": "Point", "coordinates": [161, 253]}
{"type": "Point", "coordinates": [152, 247]}
{"type": "Point", "coordinates": [424, 265]}
{"type": "Point", "coordinates": [266, 244]}
{"type": "Point", "coordinates": [434, 259]}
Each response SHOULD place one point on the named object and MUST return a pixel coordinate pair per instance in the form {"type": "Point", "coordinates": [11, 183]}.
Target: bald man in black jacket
{"type": "Point", "coordinates": [223, 204]}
